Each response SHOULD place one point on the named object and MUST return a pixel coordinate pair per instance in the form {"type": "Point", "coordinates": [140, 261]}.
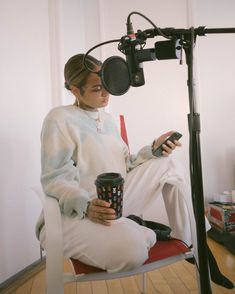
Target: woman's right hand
{"type": "Point", "coordinates": [99, 211]}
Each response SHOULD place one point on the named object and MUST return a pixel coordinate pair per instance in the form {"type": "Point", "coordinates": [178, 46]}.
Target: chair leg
{"type": "Point", "coordinates": [144, 283]}
{"type": "Point", "coordinates": [144, 278]}
{"type": "Point", "coordinates": [41, 251]}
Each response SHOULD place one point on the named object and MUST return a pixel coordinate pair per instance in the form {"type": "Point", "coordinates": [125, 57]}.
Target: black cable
{"type": "Point", "coordinates": [149, 20]}
{"type": "Point", "coordinates": [93, 48]}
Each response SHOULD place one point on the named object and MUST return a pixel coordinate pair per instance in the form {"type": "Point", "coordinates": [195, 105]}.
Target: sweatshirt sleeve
{"type": "Point", "coordinates": [59, 176]}
{"type": "Point", "coordinates": [133, 160]}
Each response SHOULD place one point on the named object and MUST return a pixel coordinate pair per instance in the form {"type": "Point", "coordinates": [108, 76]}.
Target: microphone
{"type": "Point", "coordinates": [130, 45]}
{"type": "Point", "coordinates": [117, 74]}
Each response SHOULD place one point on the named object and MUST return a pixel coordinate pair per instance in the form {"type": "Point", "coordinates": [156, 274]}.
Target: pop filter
{"type": "Point", "coordinates": [115, 76]}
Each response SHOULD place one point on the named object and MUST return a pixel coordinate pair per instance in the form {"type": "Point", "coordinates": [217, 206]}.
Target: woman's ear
{"type": "Point", "coordinates": [76, 91]}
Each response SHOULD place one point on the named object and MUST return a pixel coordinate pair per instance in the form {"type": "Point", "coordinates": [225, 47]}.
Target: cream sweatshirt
{"type": "Point", "coordinates": [77, 146]}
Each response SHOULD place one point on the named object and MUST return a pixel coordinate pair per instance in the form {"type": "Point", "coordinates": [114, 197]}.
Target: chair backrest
{"type": "Point", "coordinates": [119, 119]}
{"type": "Point", "coordinates": [123, 129]}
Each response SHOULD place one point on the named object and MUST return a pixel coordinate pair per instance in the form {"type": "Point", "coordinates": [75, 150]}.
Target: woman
{"type": "Point", "coordinates": [81, 141]}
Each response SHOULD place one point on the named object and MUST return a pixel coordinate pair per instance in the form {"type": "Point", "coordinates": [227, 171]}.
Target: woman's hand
{"type": "Point", "coordinates": [167, 148]}
{"type": "Point", "coordinates": [99, 211]}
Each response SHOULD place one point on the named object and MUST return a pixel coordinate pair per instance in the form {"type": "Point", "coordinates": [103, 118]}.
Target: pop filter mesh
{"type": "Point", "coordinates": [115, 76]}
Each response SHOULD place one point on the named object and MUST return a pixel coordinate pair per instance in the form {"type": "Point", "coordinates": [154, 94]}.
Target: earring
{"type": "Point", "coordinates": [77, 101]}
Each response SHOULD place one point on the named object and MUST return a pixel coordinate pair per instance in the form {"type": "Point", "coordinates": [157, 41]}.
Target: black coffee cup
{"type": "Point", "coordinates": [109, 187]}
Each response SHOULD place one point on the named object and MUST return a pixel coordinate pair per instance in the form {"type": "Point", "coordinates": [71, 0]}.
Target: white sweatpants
{"type": "Point", "coordinates": [125, 245]}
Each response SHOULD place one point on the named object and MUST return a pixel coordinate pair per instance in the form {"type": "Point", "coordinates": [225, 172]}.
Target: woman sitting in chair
{"type": "Point", "coordinates": [81, 141]}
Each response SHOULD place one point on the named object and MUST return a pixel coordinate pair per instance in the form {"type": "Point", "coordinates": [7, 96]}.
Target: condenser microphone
{"type": "Point", "coordinates": [117, 74]}
{"type": "Point", "coordinates": [135, 67]}
{"type": "Point", "coordinates": [130, 45]}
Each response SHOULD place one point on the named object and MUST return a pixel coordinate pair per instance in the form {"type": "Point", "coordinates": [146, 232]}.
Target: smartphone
{"type": "Point", "coordinates": [175, 136]}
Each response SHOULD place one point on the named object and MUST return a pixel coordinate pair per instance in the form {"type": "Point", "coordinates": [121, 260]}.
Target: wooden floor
{"type": "Point", "coordinates": [177, 278]}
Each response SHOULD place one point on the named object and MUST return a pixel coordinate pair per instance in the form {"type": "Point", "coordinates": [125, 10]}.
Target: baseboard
{"type": "Point", "coordinates": [21, 277]}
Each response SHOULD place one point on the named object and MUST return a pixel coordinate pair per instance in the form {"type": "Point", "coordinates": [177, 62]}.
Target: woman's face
{"type": "Point", "coordinates": [92, 95]}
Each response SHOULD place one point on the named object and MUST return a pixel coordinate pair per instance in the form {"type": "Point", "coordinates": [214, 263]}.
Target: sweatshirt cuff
{"type": "Point", "coordinates": [74, 206]}
{"type": "Point", "coordinates": [148, 152]}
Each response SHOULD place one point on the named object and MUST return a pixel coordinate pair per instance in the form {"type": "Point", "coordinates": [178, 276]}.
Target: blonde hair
{"type": "Point", "coordinates": [75, 73]}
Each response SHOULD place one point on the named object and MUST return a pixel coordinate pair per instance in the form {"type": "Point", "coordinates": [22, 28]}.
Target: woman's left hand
{"type": "Point", "coordinates": [99, 211]}
{"type": "Point", "coordinates": [167, 148]}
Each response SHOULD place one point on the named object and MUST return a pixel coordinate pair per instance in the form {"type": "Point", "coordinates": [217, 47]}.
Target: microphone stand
{"type": "Point", "coordinates": [196, 173]}
{"type": "Point", "coordinates": [188, 38]}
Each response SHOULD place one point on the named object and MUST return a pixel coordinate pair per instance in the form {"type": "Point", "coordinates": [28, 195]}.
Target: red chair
{"type": "Point", "coordinates": [161, 254]}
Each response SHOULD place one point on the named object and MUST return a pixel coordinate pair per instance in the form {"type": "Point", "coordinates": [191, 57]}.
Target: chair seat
{"type": "Point", "coordinates": [161, 250]}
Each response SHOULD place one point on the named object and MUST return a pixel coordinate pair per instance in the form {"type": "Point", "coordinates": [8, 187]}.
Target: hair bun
{"type": "Point", "coordinates": [67, 86]}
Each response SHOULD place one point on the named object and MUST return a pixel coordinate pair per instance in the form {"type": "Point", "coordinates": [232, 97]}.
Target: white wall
{"type": "Point", "coordinates": [80, 29]}
{"type": "Point", "coordinates": [37, 37]}
{"type": "Point", "coordinates": [25, 99]}
{"type": "Point", "coordinates": [216, 72]}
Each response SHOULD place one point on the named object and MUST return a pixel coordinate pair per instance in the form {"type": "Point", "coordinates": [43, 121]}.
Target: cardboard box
{"type": "Point", "coordinates": [222, 216]}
